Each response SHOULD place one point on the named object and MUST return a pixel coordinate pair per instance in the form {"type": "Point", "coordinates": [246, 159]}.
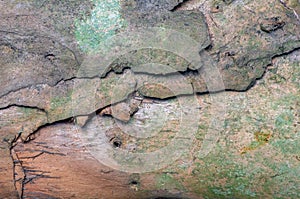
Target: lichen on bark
{"type": "Point", "coordinates": [103, 22]}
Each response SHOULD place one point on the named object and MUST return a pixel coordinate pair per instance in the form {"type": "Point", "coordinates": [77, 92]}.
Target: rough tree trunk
{"type": "Point", "coordinates": [199, 99]}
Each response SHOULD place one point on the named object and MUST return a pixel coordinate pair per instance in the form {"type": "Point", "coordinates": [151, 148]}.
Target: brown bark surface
{"type": "Point", "coordinates": [56, 165]}
{"type": "Point", "coordinates": [238, 74]}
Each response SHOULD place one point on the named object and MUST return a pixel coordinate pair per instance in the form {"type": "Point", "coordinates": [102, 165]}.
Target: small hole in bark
{"type": "Point", "coordinates": [134, 182]}
{"type": "Point", "coordinates": [50, 56]}
{"type": "Point", "coordinates": [229, 53]}
{"type": "Point", "coordinates": [209, 47]}
{"type": "Point", "coordinates": [117, 143]}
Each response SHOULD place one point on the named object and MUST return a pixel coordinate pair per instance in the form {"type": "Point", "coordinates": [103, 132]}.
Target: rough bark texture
{"type": "Point", "coordinates": [149, 99]}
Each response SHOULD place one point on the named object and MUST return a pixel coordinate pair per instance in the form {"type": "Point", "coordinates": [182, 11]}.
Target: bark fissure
{"type": "Point", "coordinates": [42, 153]}
{"type": "Point", "coordinates": [184, 2]}
{"type": "Point", "coordinates": [24, 106]}
{"type": "Point", "coordinates": [30, 137]}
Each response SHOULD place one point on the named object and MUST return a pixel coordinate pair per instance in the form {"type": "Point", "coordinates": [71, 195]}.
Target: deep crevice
{"type": "Point", "coordinates": [14, 170]}
{"type": "Point", "coordinates": [24, 106]}
{"type": "Point", "coordinates": [179, 5]}
{"type": "Point", "coordinates": [31, 136]}
{"type": "Point", "coordinates": [36, 85]}
{"type": "Point", "coordinates": [251, 85]}
{"type": "Point", "coordinates": [255, 81]}
{"type": "Point", "coordinates": [15, 162]}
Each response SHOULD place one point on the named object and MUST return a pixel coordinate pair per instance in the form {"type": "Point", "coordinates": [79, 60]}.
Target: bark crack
{"type": "Point", "coordinates": [17, 168]}
{"type": "Point", "coordinates": [20, 182]}
{"type": "Point", "coordinates": [23, 175]}
{"type": "Point", "coordinates": [183, 3]}
{"type": "Point", "coordinates": [284, 3]}
{"type": "Point", "coordinates": [24, 106]}
{"type": "Point", "coordinates": [41, 153]}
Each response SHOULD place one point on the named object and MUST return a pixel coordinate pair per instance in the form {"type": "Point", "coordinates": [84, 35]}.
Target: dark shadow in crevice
{"type": "Point", "coordinates": [179, 5]}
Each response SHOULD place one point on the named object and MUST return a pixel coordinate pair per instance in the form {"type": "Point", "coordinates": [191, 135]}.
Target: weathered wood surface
{"type": "Point", "coordinates": [57, 165]}
{"type": "Point", "coordinates": [7, 183]}
{"type": "Point", "coordinates": [250, 46]}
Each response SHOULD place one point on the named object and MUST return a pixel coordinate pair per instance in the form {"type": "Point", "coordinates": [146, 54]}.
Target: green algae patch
{"type": "Point", "coordinates": [104, 22]}
{"type": "Point", "coordinates": [60, 101]}
{"type": "Point", "coordinates": [296, 75]}
{"type": "Point", "coordinates": [284, 122]}
{"type": "Point", "coordinates": [283, 179]}
{"type": "Point", "coordinates": [221, 175]}
{"type": "Point", "coordinates": [167, 181]}
{"type": "Point", "coordinates": [27, 111]}
{"type": "Point", "coordinates": [60, 106]}
{"type": "Point", "coordinates": [288, 146]}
